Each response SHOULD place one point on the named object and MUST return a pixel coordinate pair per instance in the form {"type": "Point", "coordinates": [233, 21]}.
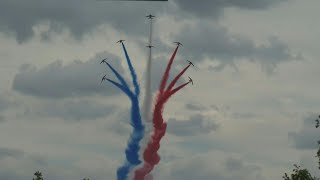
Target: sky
{"type": "Point", "coordinates": [249, 115]}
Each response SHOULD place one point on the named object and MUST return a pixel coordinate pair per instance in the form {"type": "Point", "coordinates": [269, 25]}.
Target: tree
{"type": "Point", "coordinates": [299, 174]}
{"type": "Point", "coordinates": [38, 176]}
{"type": "Point", "coordinates": [303, 174]}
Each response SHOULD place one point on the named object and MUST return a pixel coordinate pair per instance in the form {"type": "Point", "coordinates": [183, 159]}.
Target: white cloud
{"type": "Point", "coordinates": [255, 111]}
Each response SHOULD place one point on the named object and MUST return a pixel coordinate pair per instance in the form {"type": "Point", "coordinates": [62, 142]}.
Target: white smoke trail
{"type": "Point", "coordinates": [148, 95]}
{"type": "Point", "coordinates": [147, 104]}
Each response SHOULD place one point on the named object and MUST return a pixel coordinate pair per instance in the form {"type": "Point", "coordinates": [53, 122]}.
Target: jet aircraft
{"type": "Point", "coordinates": [190, 80]}
{"type": "Point", "coordinates": [190, 63]}
{"type": "Point", "coordinates": [104, 60]}
{"type": "Point", "coordinates": [178, 43]}
{"type": "Point", "coordinates": [150, 16]}
{"type": "Point", "coordinates": [104, 78]}
{"type": "Point", "coordinates": [120, 41]}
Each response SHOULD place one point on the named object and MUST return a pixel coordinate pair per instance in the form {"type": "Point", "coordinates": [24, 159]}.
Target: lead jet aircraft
{"type": "Point", "coordinates": [150, 16]}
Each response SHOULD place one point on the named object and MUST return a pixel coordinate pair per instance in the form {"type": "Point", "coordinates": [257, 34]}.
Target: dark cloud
{"type": "Point", "coordinates": [10, 175]}
{"type": "Point", "coordinates": [2, 118]}
{"type": "Point", "coordinates": [234, 164]}
{"type": "Point", "coordinates": [244, 115]}
{"type": "Point", "coordinates": [4, 103]}
{"type": "Point", "coordinates": [75, 79]}
{"type": "Point", "coordinates": [78, 16]}
{"type": "Point", "coordinates": [215, 8]}
{"type": "Point", "coordinates": [308, 136]}
{"type": "Point", "coordinates": [215, 107]}
{"type": "Point", "coordinates": [202, 41]}
{"type": "Point", "coordinates": [194, 107]}
{"type": "Point", "coordinates": [83, 16]}
{"type": "Point", "coordinates": [195, 125]}
{"type": "Point", "coordinates": [19, 154]}
{"type": "Point", "coordinates": [7, 152]}
{"type": "Point", "coordinates": [18, 159]}
{"type": "Point", "coordinates": [74, 110]}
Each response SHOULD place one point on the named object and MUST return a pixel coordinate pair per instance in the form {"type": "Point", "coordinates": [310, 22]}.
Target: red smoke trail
{"type": "Point", "coordinates": [166, 73]}
{"type": "Point", "coordinates": [174, 81]}
{"type": "Point", "coordinates": [150, 155]}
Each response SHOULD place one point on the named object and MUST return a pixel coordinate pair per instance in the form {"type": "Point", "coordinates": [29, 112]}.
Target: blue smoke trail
{"type": "Point", "coordinates": [125, 89]}
{"type": "Point", "coordinates": [132, 150]}
{"type": "Point", "coordinates": [121, 79]}
{"type": "Point", "coordinates": [133, 74]}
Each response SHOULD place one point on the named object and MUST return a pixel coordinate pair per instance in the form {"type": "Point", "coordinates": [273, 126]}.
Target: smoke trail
{"type": "Point", "coordinates": [148, 98]}
{"type": "Point", "coordinates": [150, 155]}
{"type": "Point", "coordinates": [176, 78]}
{"type": "Point", "coordinates": [132, 150]}
{"type": "Point", "coordinates": [125, 89]}
{"type": "Point", "coordinates": [147, 116]}
{"type": "Point", "coordinates": [121, 79]}
{"type": "Point", "coordinates": [166, 73]}
{"type": "Point", "coordinates": [133, 73]}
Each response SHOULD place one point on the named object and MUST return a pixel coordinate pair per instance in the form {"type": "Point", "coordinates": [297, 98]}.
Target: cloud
{"type": "Point", "coordinates": [73, 110]}
{"type": "Point", "coordinates": [7, 152]}
{"type": "Point", "coordinates": [4, 102]}
{"type": "Point", "coordinates": [13, 153]}
{"type": "Point", "coordinates": [195, 125]}
{"type": "Point", "coordinates": [308, 136]}
{"type": "Point", "coordinates": [16, 163]}
{"type": "Point", "coordinates": [209, 166]}
{"type": "Point", "coordinates": [215, 8]}
{"type": "Point", "coordinates": [214, 42]}
{"type": "Point", "coordinates": [79, 17]}
{"type": "Point", "coordinates": [194, 107]}
{"type": "Point", "coordinates": [3, 105]}
{"type": "Point", "coordinates": [244, 115]}
{"type": "Point", "coordinates": [75, 79]}
{"type": "Point", "coordinates": [82, 17]}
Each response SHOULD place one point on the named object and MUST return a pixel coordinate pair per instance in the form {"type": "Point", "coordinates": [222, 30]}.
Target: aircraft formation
{"type": "Point", "coordinates": [178, 43]}
{"type": "Point", "coordinates": [150, 147]}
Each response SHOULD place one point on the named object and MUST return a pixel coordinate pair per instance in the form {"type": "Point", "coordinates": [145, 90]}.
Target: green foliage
{"type": "Point", "coordinates": [38, 176]}
{"type": "Point", "coordinates": [304, 174]}
{"type": "Point", "coordinates": [299, 174]}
